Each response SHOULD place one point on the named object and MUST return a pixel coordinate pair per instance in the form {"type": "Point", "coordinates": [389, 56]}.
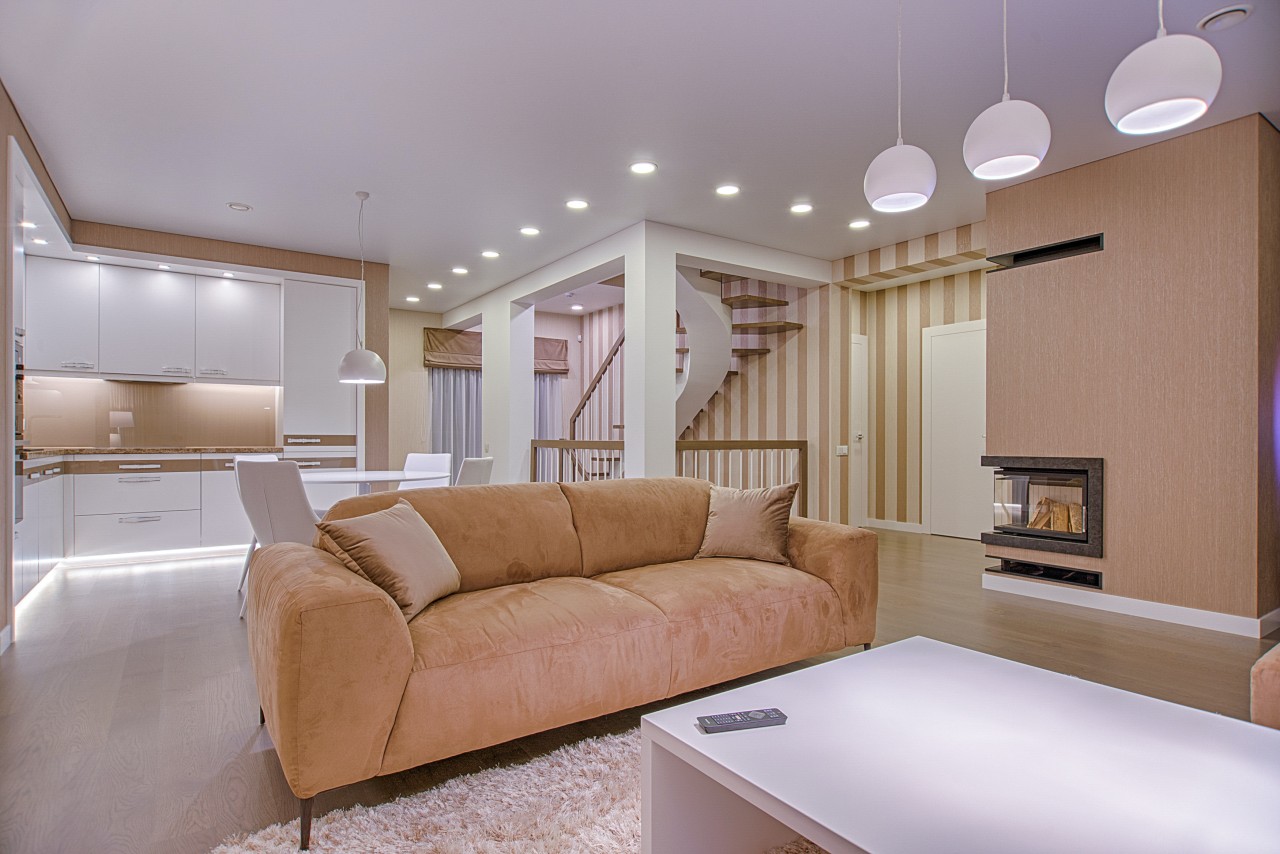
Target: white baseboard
{"type": "Point", "coordinates": [6, 638]}
{"type": "Point", "coordinates": [1249, 627]}
{"type": "Point", "coordinates": [893, 525]}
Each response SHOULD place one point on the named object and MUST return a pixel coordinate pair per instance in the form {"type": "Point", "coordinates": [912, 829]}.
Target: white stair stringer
{"type": "Point", "coordinates": [708, 324]}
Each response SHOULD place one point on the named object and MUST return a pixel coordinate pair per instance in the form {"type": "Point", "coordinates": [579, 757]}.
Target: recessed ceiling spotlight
{"type": "Point", "coordinates": [228, 275]}
{"type": "Point", "coordinates": [461, 271]}
{"type": "Point", "coordinates": [488, 253]}
{"type": "Point", "coordinates": [529, 231]}
{"type": "Point", "coordinates": [860, 223]}
{"type": "Point", "coordinates": [239, 206]}
{"type": "Point", "coordinates": [26, 224]}
{"type": "Point", "coordinates": [164, 266]}
{"type": "Point", "coordinates": [435, 286]}
{"type": "Point", "coordinates": [644, 167]}
{"type": "Point", "coordinates": [92, 258]}
{"type": "Point", "coordinates": [801, 208]}
{"type": "Point", "coordinates": [728, 189]}
{"type": "Point", "coordinates": [577, 204]}
{"type": "Point", "coordinates": [1225, 18]}
{"type": "Point", "coordinates": [575, 307]}
{"type": "Point", "coordinates": [412, 299]}
{"type": "Point", "coordinates": [39, 241]}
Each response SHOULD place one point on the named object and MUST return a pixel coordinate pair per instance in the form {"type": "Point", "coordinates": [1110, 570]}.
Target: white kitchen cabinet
{"type": "Point", "coordinates": [62, 315]}
{"type": "Point", "coordinates": [319, 329]}
{"type": "Point", "coordinates": [137, 491]}
{"type": "Point", "coordinates": [237, 330]}
{"type": "Point", "coordinates": [116, 533]}
{"type": "Point", "coordinates": [147, 323]}
{"type": "Point", "coordinates": [222, 518]}
{"type": "Point", "coordinates": [49, 499]}
{"type": "Point", "coordinates": [26, 547]}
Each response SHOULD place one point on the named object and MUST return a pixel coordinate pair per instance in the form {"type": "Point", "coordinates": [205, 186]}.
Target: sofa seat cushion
{"type": "Point", "coordinates": [496, 664]}
{"type": "Point", "coordinates": [730, 617]}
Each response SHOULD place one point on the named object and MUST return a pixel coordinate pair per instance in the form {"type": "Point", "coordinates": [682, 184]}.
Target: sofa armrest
{"type": "Point", "coordinates": [331, 654]}
{"type": "Point", "coordinates": [847, 559]}
{"type": "Point", "coordinates": [1264, 684]}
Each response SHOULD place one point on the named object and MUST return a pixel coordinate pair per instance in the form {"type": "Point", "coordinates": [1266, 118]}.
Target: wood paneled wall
{"type": "Point", "coordinates": [1156, 354]}
{"type": "Point", "coordinates": [599, 330]}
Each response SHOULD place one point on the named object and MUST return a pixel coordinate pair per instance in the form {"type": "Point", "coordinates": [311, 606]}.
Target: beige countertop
{"type": "Point", "coordinates": [36, 453]}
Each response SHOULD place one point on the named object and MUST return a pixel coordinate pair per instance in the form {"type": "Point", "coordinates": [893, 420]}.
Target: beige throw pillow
{"type": "Point", "coordinates": [750, 523]}
{"type": "Point", "coordinates": [396, 550]}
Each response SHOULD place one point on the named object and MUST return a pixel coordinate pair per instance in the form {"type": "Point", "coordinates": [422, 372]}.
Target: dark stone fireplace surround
{"type": "Point", "coordinates": [1091, 467]}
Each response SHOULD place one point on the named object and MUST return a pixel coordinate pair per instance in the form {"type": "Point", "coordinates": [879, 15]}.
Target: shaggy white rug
{"type": "Point", "coordinates": [580, 799]}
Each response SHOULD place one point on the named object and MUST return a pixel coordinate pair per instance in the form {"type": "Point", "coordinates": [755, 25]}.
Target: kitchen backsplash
{"type": "Point", "coordinates": [69, 412]}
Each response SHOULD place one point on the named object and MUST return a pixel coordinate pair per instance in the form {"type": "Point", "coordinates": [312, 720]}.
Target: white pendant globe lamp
{"type": "Point", "coordinates": [1166, 83]}
{"type": "Point", "coordinates": [901, 178]}
{"type": "Point", "coordinates": [1007, 139]}
{"type": "Point", "coordinates": [360, 365]}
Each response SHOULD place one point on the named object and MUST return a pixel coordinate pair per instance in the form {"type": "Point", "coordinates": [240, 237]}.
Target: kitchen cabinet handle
{"type": "Point", "coordinates": [221, 372]}
{"type": "Point", "coordinates": [133, 520]}
{"type": "Point", "coordinates": [134, 466]}
{"type": "Point", "coordinates": [155, 479]}
{"type": "Point", "coordinates": [307, 465]}
{"type": "Point", "coordinates": [76, 364]}
{"type": "Point", "coordinates": [174, 370]}
{"type": "Point", "coordinates": [297, 440]}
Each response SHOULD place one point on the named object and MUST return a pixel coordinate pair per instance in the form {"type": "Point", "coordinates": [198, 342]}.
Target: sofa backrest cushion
{"type": "Point", "coordinates": [496, 535]}
{"type": "Point", "coordinates": [638, 521]}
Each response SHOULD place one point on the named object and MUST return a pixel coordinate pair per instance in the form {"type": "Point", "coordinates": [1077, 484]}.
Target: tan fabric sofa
{"type": "Point", "coordinates": [1265, 689]}
{"type": "Point", "coordinates": [577, 600]}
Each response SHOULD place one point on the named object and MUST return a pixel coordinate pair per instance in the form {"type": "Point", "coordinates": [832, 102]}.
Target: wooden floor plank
{"type": "Point", "coordinates": [128, 719]}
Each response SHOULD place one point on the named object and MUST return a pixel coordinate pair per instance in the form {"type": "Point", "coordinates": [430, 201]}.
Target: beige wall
{"type": "Point", "coordinates": [1156, 354]}
{"type": "Point", "coordinates": [408, 401]}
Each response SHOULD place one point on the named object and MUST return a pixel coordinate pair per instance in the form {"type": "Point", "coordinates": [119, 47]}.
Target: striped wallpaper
{"type": "Point", "coordinates": [895, 319]}
{"type": "Point", "coordinates": [922, 255]}
{"type": "Point", "coordinates": [599, 330]}
{"type": "Point", "coordinates": [800, 390]}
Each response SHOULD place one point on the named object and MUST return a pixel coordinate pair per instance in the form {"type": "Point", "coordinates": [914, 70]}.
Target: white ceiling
{"type": "Point", "coordinates": [467, 119]}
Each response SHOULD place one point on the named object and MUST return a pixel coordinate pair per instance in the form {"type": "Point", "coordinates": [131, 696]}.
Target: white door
{"type": "Point", "coordinates": [147, 322]}
{"type": "Point", "coordinates": [957, 489]}
{"type": "Point", "coordinates": [857, 437]}
{"type": "Point", "coordinates": [62, 315]}
{"type": "Point", "coordinates": [237, 330]}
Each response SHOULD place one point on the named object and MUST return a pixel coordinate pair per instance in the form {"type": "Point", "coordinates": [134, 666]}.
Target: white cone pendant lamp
{"type": "Point", "coordinates": [903, 177]}
{"type": "Point", "coordinates": [1007, 139]}
{"type": "Point", "coordinates": [1166, 83]}
{"type": "Point", "coordinates": [361, 366]}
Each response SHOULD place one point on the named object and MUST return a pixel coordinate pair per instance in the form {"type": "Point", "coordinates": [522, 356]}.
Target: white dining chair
{"type": "Point", "coordinates": [475, 471]}
{"type": "Point", "coordinates": [426, 462]}
{"type": "Point", "coordinates": [253, 543]}
{"type": "Point", "coordinates": [276, 503]}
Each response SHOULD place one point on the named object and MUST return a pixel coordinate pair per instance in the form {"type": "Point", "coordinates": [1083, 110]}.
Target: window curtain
{"type": "Point", "coordinates": [455, 414]}
{"type": "Point", "coordinates": [548, 421]}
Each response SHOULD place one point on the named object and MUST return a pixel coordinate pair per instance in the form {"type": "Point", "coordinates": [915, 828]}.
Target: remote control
{"type": "Point", "coordinates": [741, 720]}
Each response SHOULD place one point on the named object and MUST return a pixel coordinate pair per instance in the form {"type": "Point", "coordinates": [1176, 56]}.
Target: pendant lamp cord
{"type": "Point", "coordinates": [1004, 27]}
{"type": "Point", "coordinates": [899, 72]}
{"type": "Point", "coordinates": [1160, 33]}
{"type": "Point", "coordinates": [363, 196]}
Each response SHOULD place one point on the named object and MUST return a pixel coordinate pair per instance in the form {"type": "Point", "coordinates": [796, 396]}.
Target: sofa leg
{"type": "Point", "coordinates": [866, 646]}
{"type": "Point", "coordinates": [304, 842]}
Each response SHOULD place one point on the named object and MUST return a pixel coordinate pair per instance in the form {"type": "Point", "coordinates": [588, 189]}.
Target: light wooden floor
{"type": "Point", "coordinates": [128, 719]}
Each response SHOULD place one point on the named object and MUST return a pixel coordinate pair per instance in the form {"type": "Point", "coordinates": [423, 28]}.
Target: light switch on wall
{"type": "Point", "coordinates": [842, 450]}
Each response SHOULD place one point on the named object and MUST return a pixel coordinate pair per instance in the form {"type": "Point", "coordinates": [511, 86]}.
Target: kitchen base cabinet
{"type": "Point", "coordinates": [117, 533]}
{"type": "Point", "coordinates": [222, 518]}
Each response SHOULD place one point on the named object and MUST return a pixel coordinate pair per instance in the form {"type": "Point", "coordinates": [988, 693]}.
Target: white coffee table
{"type": "Point", "coordinates": [920, 746]}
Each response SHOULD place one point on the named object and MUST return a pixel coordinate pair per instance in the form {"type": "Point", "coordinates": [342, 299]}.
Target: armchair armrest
{"type": "Point", "coordinates": [848, 560]}
{"type": "Point", "coordinates": [331, 654]}
{"type": "Point", "coordinates": [1264, 684]}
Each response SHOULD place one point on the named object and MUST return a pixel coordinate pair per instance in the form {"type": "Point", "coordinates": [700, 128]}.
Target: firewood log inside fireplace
{"type": "Point", "coordinates": [1053, 515]}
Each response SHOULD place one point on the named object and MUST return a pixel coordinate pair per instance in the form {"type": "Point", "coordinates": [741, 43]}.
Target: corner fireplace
{"type": "Point", "coordinates": [1051, 504]}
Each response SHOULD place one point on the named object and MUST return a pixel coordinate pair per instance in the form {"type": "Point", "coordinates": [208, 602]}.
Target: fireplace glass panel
{"type": "Point", "coordinates": [1041, 504]}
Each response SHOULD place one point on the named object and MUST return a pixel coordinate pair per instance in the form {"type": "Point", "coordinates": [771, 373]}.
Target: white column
{"type": "Point", "coordinates": [507, 365]}
{"type": "Point", "coordinates": [649, 358]}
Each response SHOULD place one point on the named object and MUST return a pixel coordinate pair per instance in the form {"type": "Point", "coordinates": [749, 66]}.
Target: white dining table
{"type": "Point", "coordinates": [366, 478]}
